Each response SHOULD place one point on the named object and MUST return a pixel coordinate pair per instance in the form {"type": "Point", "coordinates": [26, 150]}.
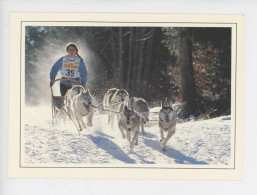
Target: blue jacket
{"type": "Point", "coordinates": [82, 69]}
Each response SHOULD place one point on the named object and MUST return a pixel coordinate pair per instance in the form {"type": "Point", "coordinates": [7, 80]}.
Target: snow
{"type": "Point", "coordinates": [206, 142]}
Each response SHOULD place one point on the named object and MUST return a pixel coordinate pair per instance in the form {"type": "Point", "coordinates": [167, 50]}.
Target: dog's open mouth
{"type": "Point", "coordinates": [86, 106]}
{"type": "Point", "coordinates": [167, 120]}
{"type": "Point", "coordinates": [143, 121]}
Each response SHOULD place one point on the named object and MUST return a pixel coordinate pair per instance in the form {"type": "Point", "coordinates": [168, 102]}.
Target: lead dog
{"type": "Point", "coordinates": [113, 99]}
{"type": "Point", "coordinates": [140, 107]}
{"type": "Point", "coordinates": [167, 123]}
{"type": "Point", "coordinates": [79, 104]}
{"type": "Point", "coordinates": [130, 122]}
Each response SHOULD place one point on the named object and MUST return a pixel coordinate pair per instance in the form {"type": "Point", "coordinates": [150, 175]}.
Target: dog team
{"type": "Point", "coordinates": [132, 113]}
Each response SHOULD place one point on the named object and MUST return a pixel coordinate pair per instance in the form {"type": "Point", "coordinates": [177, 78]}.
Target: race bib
{"type": "Point", "coordinates": [70, 69]}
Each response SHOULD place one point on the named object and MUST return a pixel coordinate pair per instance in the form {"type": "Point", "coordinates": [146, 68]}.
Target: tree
{"type": "Point", "coordinates": [179, 43]}
{"type": "Point", "coordinates": [187, 81]}
{"type": "Point", "coordinates": [211, 59]}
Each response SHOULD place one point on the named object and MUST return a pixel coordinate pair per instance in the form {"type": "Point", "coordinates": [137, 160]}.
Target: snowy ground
{"type": "Point", "coordinates": [205, 142]}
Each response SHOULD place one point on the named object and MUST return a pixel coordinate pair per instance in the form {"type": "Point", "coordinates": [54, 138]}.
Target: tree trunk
{"type": "Point", "coordinates": [121, 56]}
{"type": "Point", "coordinates": [114, 60]}
{"type": "Point", "coordinates": [130, 57]}
{"type": "Point", "coordinates": [134, 70]}
{"type": "Point", "coordinates": [187, 81]}
{"type": "Point", "coordinates": [149, 56]}
{"type": "Point", "coordinates": [140, 61]}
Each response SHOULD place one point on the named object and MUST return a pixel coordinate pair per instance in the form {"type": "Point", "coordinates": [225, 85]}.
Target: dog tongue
{"type": "Point", "coordinates": [167, 120]}
{"type": "Point", "coordinates": [86, 106]}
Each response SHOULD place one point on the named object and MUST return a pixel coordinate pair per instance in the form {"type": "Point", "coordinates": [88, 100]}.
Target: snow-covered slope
{"type": "Point", "coordinates": [205, 142]}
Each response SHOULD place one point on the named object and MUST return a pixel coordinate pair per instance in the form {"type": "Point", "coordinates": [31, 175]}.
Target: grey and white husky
{"type": "Point", "coordinates": [78, 102]}
{"type": "Point", "coordinates": [129, 122]}
{"type": "Point", "coordinates": [75, 90]}
{"type": "Point", "coordinates": [167, 123]}
{"type": "Point", "coordinates": [140, 107]}
{"type": "Point", "coordinates": [113, 98]}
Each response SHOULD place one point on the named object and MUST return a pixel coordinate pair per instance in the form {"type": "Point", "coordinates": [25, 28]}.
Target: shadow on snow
{"type": "Point", "coordinates": [110, 147]}
{"type": "Point", "coordinates": [172, 153]}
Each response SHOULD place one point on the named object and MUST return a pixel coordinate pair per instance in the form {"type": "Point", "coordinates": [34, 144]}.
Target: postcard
{"type": "Point", "coordinates": [126, 96]}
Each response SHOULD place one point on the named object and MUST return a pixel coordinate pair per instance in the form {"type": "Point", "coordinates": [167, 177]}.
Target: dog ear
{"type": "Point", "coordinates": [77, 89]}
{"type": "Point", "coordinates": [130, 103]}
{"type": "Point", "coordinates": [115, 94]}
{"type": "Point", "coordinates": [80, 92]}
{"type": "Point", "coordinates": [162, 105]}
{"type": "Point", "coordinates": [125, 108]}
{"type": "Point", "coordinates": [127, 93]}
{"type": "Point", "coordinates": [171, 105]}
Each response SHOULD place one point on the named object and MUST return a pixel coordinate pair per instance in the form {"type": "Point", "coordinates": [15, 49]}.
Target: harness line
{"type": "Point", "coordinates": [105, 109]}
{"type": "Point", "coordinates": [71, 120]}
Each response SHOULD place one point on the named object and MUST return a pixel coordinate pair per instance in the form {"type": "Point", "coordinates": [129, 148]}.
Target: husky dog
{"type": "Point", "coordinates": [70, 94]}
{"type": "Point", "coordinates": [79, 104]}
{"type": "Point", "coordinates": [140, 107]}
{"type": "Point", "coordinates": [167, 123]}
{"type": "Point", "coordinates": [65, 102]}
{"type": "Point", "coordinates": [112, 99]}
{"type": "Point", "coordinates": [130, 122]}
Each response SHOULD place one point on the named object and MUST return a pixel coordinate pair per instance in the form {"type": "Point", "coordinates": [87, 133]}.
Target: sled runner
{"type": "Point", "coordinates": [58, 101]}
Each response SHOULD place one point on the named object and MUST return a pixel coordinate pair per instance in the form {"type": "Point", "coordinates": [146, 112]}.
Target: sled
{"type": "Point", "coordinates": [58, 101]}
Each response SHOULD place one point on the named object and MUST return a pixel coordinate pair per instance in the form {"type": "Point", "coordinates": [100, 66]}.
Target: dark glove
{"type": "Point", "coordinates": [52, 82]}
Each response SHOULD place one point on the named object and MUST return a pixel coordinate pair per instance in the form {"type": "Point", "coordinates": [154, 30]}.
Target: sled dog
{"type": "Point", "coordinates": [167, 123]}
{"type": "Point", "coordinates": [66, 101]}
{"type": "Point", "coordinates": [75, 90]}
{"type": "Point", "coordinates": [140, 107]}
{"type": "Point", "coordinates": [79, 104]}
{"type": "Point", "coordinates": [129, 122]}
{"type": "Point", "coordinates": [112, 100]}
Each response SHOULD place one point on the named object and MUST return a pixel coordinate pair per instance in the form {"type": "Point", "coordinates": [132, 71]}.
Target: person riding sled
{"type": "Point", "coordinates": [71, 66]}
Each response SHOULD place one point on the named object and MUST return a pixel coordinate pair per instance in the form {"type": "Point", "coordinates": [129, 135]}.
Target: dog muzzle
{"type": "Point", "coordinates": [145, 121]}
{"type": "Point", "coordinates": [86, 106]}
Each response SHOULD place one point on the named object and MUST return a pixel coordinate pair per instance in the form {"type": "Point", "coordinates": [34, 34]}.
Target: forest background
{"type": "Point", "coordinates": [190, 65]}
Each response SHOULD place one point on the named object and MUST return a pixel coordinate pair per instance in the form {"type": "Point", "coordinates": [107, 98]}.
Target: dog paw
{"type": "Point", "coordinates": [164, 149]}
{"type": "Point", "coordinates": [90, 124]}
{"type": "Point", "coordinates": [163, 143]}
{"type": "Point", "coordinates": [144, 134]}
